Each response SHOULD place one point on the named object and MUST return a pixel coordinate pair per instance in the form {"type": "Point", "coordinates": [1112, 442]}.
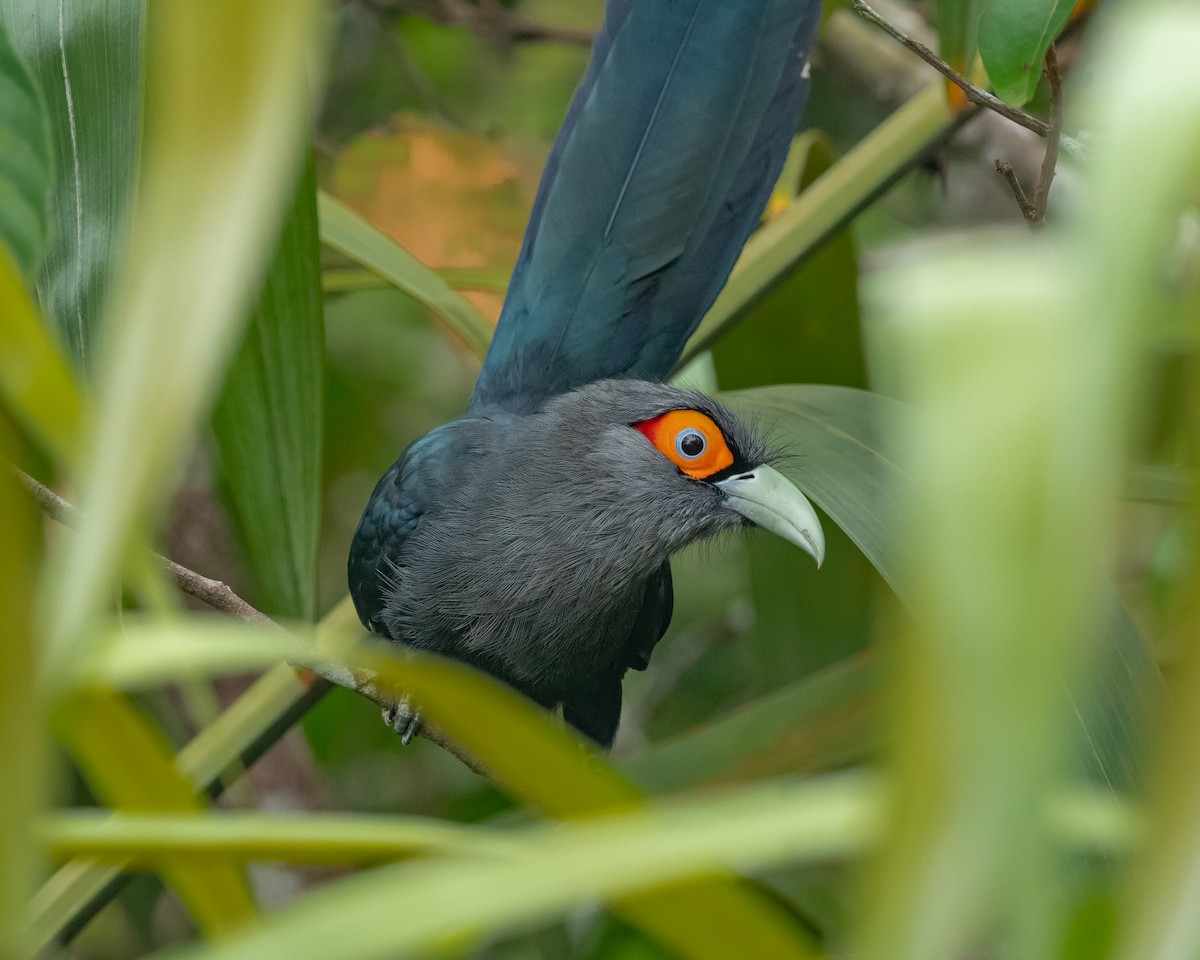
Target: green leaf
{"type": "Point", "coordinates": [349, 234]}
{"type": "Point", "coordinates": [228, 96]}
{"type": "Point", "coordinates": [129, 766]}
{"type": "Point", "coordinates": [22, 736]}
{"type": "Point", "coordinates": [26, 170]}
{"type": "Point", "coordinates": [804, 330]}
{"type": "Point", "coordinates": [1014, 36]}
{"type": "Point", "coordinates": [267, 420]}
{"type": "Point", "coordinates": [154, 839]}
{"type": "Point", "coordinates": [87, 58]}
{"type": "Point", "coordinates": [957, 22]}
{"type": "Point", "coordinates": [844, 444]}
{"type": "Point", "coordinates": [36, 383]}
{"type": "Point", "coordinates": [425, 907]}
{"type": "Point", "coordinates": [824, 722]}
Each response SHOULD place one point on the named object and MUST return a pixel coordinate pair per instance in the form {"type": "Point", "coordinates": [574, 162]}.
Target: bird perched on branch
{"type": "Point", "coordinates": [531, 536]}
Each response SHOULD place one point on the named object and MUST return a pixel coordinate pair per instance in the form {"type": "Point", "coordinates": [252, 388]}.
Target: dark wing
{"type": "Point", "coordinates": [414, 485]}
{"type": "Point", "coordinates": [669, 151]}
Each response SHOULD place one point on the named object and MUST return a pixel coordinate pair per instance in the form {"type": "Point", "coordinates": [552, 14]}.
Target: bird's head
{"type": "Point", "coordinates": [678, 462]}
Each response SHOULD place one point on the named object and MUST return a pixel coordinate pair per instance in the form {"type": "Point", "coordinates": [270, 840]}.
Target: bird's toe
{"type": "Point", "coordinates": [404, 719]}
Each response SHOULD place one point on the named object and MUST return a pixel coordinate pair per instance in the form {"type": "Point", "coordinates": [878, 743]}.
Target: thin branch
{"type": "Point", "coordinates": [1041, 194]}
{"type": "Point", "coordinates": [975, 94]}
{"type": "Point", "coordinates": [219, 596]}
{"type": "Point", "coordinates": [1005, 169]}
{"type": "Point", "coordinates": [1035, 211]}
{"type": "Point", "coordinates": [216, 594]}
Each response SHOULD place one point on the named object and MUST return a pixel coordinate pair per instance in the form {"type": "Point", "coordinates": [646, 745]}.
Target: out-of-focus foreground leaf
{"type": "Point", "coordinates": [21, 730]}
{"type": "Point", "coordinates": [268, 418]}
{"type": "Point", "coordinates": [413, 909]}
{"type": "Point", "coordinates": [86, 57]}
{"type": "Point", "coordinates": [36, 382]}
{"type": "Point", "coordinates": [229, 93]}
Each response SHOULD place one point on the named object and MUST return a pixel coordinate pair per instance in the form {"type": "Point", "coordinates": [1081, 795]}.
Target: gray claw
{"type": "Point", "coordinates": [403, 719]}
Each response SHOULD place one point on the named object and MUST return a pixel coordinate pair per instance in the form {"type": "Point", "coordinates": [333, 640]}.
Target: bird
{"type": "Point", "coordinates": [531, 537]}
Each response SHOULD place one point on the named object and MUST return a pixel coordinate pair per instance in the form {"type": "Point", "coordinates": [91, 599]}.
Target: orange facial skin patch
{"type": "Point", "coordinates": [690, 440]}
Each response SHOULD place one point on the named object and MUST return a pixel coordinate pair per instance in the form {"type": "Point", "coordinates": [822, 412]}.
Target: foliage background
{"type": "Point", "coordinates": [1069, 354]}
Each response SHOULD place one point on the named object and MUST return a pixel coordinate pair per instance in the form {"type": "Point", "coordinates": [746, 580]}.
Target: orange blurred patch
{"type": "Point", "coordinates": [451, 199]}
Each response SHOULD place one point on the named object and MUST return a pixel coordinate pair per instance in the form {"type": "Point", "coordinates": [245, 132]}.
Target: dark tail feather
{"type": "Point", "coordinates": [665, 161]}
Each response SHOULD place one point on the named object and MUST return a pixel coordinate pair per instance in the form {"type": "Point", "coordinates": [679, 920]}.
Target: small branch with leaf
{"type": "Point", "coordinates": [1033, 210]}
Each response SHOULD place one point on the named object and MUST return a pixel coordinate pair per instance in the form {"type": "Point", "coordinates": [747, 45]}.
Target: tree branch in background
{"type": "Point", "coordinates": [1035, 211]}
{"type": "Point", "coordinates": [220, 597]}
{"type": "Point", "coordinates": [975, 94]}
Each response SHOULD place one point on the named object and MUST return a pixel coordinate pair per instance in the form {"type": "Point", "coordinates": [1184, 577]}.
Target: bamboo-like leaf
{"type": "Point", "coordinates": [36, 383]}
{"type": "Point", "coordinates": [151, 840]}
{"type": "Point", "coordinates": [824, 722]}
{"type": "Point", "coordinates": [415, 909]}
{"type": "Point", "coordinates": [805, 330]}
{"type": "Point", "coordinates": [844, 444]}
{"type": "Point", "coordinates": [348, 233]}
{"type": "Point", "coordinates": [87, 58]}
{"type": "Point", "coordinates": [1014, 36]}
{"type": "Point", "coordinates": [229, 93]}
{"type": "Point", "coordinates": [21, 733]}
{"type": "Point", "coordinates": [824, 208]}
{"type": "Point", "coordinates": [522, 749]}
{"type": "Point", "coordinates": [1148, 85]}
{"type": "Point", "coordinates": [266, 710]}
{"type": "Point", "coordinates": [128, 766]}
{"type": "Point", "coordinates": [268, 418]}
{"type": "Point", "coordinates": [957, 27]}
{"type": "Point", "coordinates": [25, 165]}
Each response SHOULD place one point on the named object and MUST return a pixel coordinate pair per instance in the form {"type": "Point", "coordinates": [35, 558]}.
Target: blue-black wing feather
{"type": "Point", "coordinates": [664, 163]}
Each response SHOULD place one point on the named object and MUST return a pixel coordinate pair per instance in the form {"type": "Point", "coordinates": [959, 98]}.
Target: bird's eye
{"type": "Point", "coordinates": [690, 443]}
{"type": "Point", "coordinates": [689, 439]}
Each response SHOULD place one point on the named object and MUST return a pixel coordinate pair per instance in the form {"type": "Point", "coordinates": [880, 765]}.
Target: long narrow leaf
{"type": "Point", "coordinates": [21, 732]}
{"type": "Point", "coordinates": [87, 58]}
{"type": "Point", "coordinates": [25, 165]}
{"type": "Point", "coordinates": [36, 382]}
{"type": "Point", "coordinates": [128, 765]}
{"type": "Point", "coordinates": [229, 96]}
{"type": "Point", "coordinates": [412, 910]}
{"type": "Point", "coordinates": [268, 418]}
{"type": "Point", "coordinates": [347, 232]}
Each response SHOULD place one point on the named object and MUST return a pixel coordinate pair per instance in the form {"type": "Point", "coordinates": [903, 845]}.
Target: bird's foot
{"type": "Point", "coordinates": [404, 719]}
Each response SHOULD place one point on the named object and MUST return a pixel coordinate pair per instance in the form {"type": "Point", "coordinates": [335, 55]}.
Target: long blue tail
{"type": "Point", "coordinates": [662, 168]}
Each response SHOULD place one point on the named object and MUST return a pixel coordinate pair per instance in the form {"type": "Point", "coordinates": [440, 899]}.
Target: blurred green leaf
{"type": "Point", "coordinates": [267, 421]}
{"type": "Point", "coordinates": [414, 909]}
{"type": "Point", "coordinates": [844, 444]}
{"type": "Point", "coordinates": [1014, 36]}
{"type": "Point", "coordinates": [227, 112]}
{"type": "Point", "coordinates": [26, 170]}
{"type": "Point", "coordinates": [129, 766]}
{"type": "Point", "coordinates": [957, 26]}
{"type": "Point", "coordinates": [22, 734]}
{"type": "Point", "coordinates": [805, 330]}
{"type": "Point", "coordinates": [349, 234]}
{"type": "Point", "coordinates": [540, 762]}
{"type": "Point", "coordinates": [87, 58]}
{"type": "Point", "coordinates": [824, 722]}
{"type": "Point", "coordinates": [36, 382]}
{"type": "Point", "coordinates": [155, 839]}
